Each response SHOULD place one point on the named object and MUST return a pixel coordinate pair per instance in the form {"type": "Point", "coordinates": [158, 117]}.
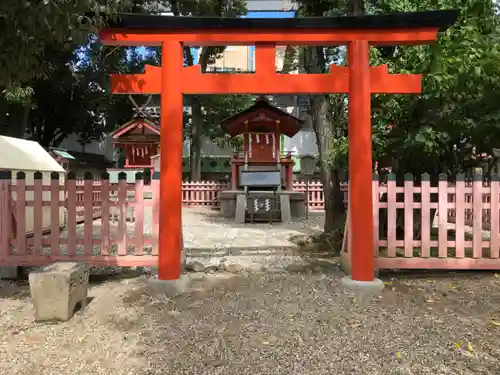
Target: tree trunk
{"type": "Point", "coordinates": [26, 119]}
{"type": "Point", "coordinates": [333, 197]}
{"type": "Point", "coordinates": [325, 129]}
{"type": "Point", "coordinates": [17, 127]}
{"type": "Point", "coordinates": [356, 7]}
{"type": "Point", "coordinates": [196, 138]}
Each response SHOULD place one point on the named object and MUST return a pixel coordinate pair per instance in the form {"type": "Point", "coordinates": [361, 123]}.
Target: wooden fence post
{"type": "Point", "coordinates": [139, 214]}
{"type": "Point", "coordinates": [155, 191]}
{"type": "Point", "coordinates": [105, 214]}
{"type": "Point", "coordinates": [5, 214]}
{"type": "Point", "coordinates": [494, 218]}
{"type": "Point", "coordinates": [55, 209]}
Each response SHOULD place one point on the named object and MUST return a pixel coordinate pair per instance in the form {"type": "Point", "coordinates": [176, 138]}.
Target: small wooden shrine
{"type": "Point", "coordinates": [262, 125]}
{"type": "Point", "coordinates": [140, 139]}
{"type": "Point", "coordinates": [261, 187]}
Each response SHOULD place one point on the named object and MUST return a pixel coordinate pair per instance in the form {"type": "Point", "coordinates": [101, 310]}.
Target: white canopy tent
{"type": "Point", "coordinates": [24, 155]}
{"type": "Point", "coordinates": [21, 155]}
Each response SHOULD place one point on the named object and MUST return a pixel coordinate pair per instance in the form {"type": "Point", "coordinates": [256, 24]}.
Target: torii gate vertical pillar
{"type": "Point", "coordinates": [170, 233]}
{"type": "Point", "coordinates": [360, 162]}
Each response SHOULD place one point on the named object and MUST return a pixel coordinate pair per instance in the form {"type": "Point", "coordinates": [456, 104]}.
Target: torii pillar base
{"type": "Point", "coordinates": [364, 291]}
{"type": "Point", "coordinates": [170, 288]}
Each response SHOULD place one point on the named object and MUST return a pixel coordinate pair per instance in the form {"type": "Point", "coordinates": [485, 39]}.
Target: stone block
{"type": "Point", "coordinates": [286, 215]}
{"type": "Point", "coordinates": [9, 273]}
{"type": "Point", "coordinates": [227, 201]}
{"type": "Point", "coordinates": [57, 289]}
{"type": "Point", "coordinates": [240, 209]}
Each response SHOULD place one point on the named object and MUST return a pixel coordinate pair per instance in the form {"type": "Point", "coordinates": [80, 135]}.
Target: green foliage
{"type": "Point", "coordinates": [461, 89]}
{"type": "Point", "coordinates": [18, 95]}
{"type": "Point", "coordinates": [215, 109]}
{"type": "Point", "coordinates": [26, 26]}
{"type": "Point", "coordinates": [338, 153]}
{"type": "Point", "coordinates": [461, 92]}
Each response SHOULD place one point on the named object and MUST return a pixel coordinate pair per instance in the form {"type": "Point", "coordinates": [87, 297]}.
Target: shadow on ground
{"type": "Point", "coordinates": [302, 322]}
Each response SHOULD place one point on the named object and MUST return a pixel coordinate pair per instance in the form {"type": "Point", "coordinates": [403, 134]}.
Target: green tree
{"type": "Point", "coordinates": [433, 132]}
{"type": "Point", "coordinates": [216, 108]}
{"type": "Point", "coordinates": [39, 40]}
{"type": "Point", "coordinates": [26, 26]}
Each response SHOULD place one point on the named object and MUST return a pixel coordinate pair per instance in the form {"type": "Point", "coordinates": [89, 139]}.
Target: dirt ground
{"type": "Point", "coordinates": [263, 323]}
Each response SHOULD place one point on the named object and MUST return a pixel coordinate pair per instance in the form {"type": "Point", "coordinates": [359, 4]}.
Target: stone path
{"type": "Point", "coordinates": [209, 238]}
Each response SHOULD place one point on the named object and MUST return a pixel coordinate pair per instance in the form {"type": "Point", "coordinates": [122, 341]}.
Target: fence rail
{"type": "Point", "coordinates": [447, 226]}
{"type": "Point", "coordinates": [206, 193]}
{"type": "Point", "coordinates": [39, 225]}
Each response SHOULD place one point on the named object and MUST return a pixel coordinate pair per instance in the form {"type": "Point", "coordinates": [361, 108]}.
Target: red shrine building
{"type": "Point", "coordinates": [261, 126]}
{"type": "Point", "coordinates": [140, 141]}
{"type": "Point", "coordinates": [261, 178]}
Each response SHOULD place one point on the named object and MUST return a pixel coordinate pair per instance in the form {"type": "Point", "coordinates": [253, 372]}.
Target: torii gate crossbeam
{"type": "Point", "coordinates": [358, 80]}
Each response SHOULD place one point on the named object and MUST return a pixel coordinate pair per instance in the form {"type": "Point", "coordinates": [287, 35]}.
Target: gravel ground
{"type": "Point", "coordinates": [281, 323]}
{"type": "Point", "coordinates": [296, 320]}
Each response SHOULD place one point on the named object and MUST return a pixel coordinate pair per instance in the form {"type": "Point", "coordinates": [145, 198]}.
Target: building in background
{"type": "Point", "coordinates": [93, 157]}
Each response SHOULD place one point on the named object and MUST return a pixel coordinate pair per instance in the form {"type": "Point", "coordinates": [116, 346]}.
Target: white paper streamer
{"type": "Point", "coordinates": [267, 138]}
{"type": "Point", "coordinates": [250, 145]}
{"type": "Point", "coordinates": [274, 146]}
{"type": "Point", "coordinates": [257, 137]}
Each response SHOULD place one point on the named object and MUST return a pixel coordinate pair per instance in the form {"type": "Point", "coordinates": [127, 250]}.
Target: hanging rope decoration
{"type": "Point", "coordinates": [140, 110]}
{"type": "Point", "coordinates": [250, 145]}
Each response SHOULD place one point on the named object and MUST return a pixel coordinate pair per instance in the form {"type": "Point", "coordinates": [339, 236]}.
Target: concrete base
{"type": "Point", "coordinates": [57, 289]}
{"type": "Point", "coordinates": [9, 273]}
{"type": "Point", "coordinates": [170, 288]}
{"type": "Point", "coordinates": [365, 290]}
{"type": "Point", "coordinates": [286, 214]}
{"type": "Point", "coordinates": [375, 286]}
{"type": "Point", "coordinates": [239, 216]}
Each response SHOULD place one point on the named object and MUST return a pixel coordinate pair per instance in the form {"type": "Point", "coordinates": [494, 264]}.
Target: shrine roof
{"type": "Point", "coordinates": [133, 124]}
{"type": "Point", "coordinates": [441, 19]}
{"type": "Point", "coordinates": [289, 124]}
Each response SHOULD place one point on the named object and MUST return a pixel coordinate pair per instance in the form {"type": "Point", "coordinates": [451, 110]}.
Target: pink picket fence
{"type": "Point", "coordinates": [206, 193]}
{"type": "Point", "coordinates": [39, 224]}
{"type": "Point", "coordinates": [447, 226]}
{"type": "Point", "coordinates": [202, 193]}
{"type": "Point", "coordinates": [80, 196]}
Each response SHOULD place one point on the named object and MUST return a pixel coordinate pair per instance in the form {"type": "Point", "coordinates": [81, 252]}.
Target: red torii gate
{"type": "Point", "coordinates": [359, 80]}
